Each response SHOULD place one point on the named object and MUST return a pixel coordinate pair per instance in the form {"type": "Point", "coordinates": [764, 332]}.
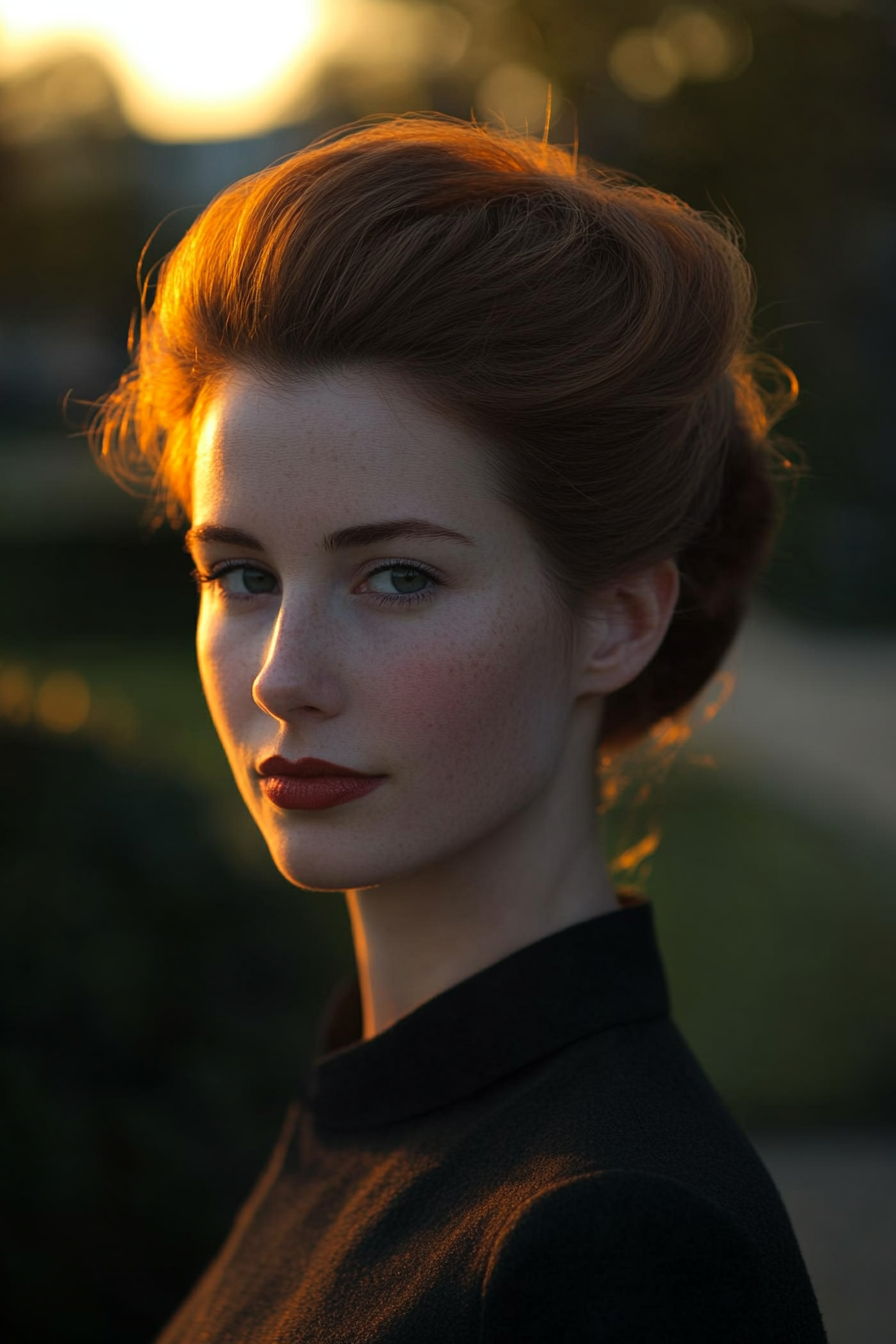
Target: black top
{"type": "Point", "coordinates": [532, 1157]}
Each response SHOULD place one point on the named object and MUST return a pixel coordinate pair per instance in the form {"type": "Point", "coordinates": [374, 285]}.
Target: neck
{"type": "Point", "coordinates": [540, 872]}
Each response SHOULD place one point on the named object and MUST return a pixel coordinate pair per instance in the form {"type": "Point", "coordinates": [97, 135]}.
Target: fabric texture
{"type": "Point", "coordinates": [532, 1157]}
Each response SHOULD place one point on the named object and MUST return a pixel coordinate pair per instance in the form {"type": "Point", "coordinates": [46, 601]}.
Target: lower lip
{"type": "Point", "coordinates": [312, 793]}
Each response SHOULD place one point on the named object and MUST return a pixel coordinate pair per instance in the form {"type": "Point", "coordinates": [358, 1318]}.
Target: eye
{"type": "Point", "coordinates": [238, 579]}
{"type": "Point", "coordinates": [399, 581]}
{"type": "Point", "coordinates": [248, 579]}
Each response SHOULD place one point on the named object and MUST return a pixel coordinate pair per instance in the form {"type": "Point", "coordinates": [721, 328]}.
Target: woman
{"type": "Point", "coordinates": [477, 477]}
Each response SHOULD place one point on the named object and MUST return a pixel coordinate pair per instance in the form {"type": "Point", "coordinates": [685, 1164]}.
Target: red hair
{"type": "Point", "coordinates": [596, 330]}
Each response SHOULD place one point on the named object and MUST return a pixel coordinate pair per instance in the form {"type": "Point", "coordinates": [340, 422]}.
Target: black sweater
{"type": "Point", "coordinates": [532, 1157]}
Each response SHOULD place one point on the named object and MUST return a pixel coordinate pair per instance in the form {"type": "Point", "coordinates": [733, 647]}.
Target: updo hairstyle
{"type": "Point", "coordinates": [596, 331]}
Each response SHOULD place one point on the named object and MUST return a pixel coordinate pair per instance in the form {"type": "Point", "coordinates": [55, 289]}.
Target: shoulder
{"type": "Point", "coordinates": [623, 1256]}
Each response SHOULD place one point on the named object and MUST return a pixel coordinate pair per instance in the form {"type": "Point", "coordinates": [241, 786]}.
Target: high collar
{"type": "Point", "coordinates": [599, 973]}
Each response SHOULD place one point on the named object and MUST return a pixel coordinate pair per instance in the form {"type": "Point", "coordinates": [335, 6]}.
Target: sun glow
{"type": "Point", "coordinates": [184, 70]}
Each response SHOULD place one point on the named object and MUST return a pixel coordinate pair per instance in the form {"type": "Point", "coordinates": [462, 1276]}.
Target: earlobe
{"type": "Point", "coordinates": [625, 626]}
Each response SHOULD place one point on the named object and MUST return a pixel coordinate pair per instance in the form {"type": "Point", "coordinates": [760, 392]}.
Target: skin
{"type": "Point", "coordinates": [480, 704]}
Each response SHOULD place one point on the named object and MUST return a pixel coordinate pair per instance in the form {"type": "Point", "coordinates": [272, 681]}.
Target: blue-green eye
{"type": "Point", "coordinates": [399, 580]}
{"type": "Point", "coordinates": [402, 583]}
{"type": "Point", "coordinates": [239, 579]}
{"type": "Point", "coordinates": [248, 579]}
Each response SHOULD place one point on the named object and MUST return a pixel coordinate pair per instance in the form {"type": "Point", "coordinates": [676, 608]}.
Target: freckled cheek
{"type": "Point", "coordinates": [459, 713]}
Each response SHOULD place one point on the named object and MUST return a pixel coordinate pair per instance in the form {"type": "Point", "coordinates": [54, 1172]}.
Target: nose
{"type": "Point", "coordinates": [299, 674]}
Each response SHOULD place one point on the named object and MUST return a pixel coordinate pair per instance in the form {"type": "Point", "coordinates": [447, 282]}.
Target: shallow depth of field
{"type": "Point", "coordinates": [160, 981]}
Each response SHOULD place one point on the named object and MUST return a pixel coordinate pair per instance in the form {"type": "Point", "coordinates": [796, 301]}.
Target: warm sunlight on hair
{"type": "Point", "coordinates": [184, 71]}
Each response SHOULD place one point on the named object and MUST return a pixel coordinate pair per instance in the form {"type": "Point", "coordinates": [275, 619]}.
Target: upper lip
{"type": "Point", "coordinates": [308, 765]}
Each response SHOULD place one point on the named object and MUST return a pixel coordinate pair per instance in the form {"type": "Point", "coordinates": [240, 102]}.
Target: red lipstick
{"type": "Point", "coordinates": [310, 784]}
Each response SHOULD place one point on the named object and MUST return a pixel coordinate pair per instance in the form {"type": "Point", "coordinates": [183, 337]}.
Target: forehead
{"type": "Point", "coordinates": [343, 446]}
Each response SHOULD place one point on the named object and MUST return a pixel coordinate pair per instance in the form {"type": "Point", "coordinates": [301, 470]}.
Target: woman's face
{"type": "Point", "coordinates": [370, 603]}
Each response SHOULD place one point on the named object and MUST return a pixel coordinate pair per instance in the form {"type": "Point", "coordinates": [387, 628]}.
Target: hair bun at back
{"type": "Point", "coordinates": [717, 572]}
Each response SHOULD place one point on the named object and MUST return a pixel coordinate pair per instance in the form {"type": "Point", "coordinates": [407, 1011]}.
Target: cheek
{"type": "Point", "coordinates": [226, 670]}
{"type": "Point", "coordinates": [495, 707]}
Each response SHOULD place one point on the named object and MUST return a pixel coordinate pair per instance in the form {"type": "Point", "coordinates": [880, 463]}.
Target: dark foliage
{"type": "Point", "coordinates": [157, 1010]}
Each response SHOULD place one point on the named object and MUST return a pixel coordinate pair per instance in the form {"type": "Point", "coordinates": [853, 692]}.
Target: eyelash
{"type": "Point", "coordinates": [405, 599]}
{"type": "Point", "coordinates": [385, 599]}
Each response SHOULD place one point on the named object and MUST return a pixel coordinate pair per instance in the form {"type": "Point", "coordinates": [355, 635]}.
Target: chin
{"type": "Point", "coordinates": [313, 865]}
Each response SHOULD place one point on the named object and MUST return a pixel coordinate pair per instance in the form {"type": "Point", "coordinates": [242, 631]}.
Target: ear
{"type": "Point", "coordinates": [623, 625]}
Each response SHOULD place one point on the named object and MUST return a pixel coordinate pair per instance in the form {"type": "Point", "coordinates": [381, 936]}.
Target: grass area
{"type": "Point", "coordinates": [780, 939]}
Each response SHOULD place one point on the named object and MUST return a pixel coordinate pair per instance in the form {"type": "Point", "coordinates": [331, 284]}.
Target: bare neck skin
{"type": "Point", "coordinates": [537, 874]}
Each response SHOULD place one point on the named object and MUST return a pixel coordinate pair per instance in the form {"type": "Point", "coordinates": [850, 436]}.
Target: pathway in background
{"type": "Point", "coordinates": [813, 715]}
{"type": "Point", "coordinates": [840, 1191]}
{"type": "Point", "coordinates": [813, 718]}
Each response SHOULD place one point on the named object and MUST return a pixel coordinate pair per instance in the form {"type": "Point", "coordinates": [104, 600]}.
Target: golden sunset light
{"type": "Point", "coordinates": [447, 655]}
{"type": "Point", "coordinates": [183, 70]}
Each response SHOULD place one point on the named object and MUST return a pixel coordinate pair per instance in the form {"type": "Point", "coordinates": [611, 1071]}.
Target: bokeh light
{"type": "Point", "coordinates": [516, 95]}
{"type": "Point", "coordinates": [708, 42]}
{"type": "Point", "coordinates": [687, 42]}
{"type": "Point", "coordinates": [16, 694]}
{"type": "Point", "coordinates": [393, 35]}
{"type": "Point", "coordinates": [183, 71]}
{"type": "Point", "coordinates": [642, 63]}
{"type": "Point", "coordinates": [62, 703]}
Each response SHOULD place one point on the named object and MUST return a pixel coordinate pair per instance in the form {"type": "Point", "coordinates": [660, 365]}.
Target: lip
{"type": "Point", "coordinates": [310, 784]}
{"type": "Point", "coordinates": [309, 766]}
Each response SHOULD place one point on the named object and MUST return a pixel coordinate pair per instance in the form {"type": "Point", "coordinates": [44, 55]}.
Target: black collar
{"type": "Point", "coordinates": [599, 973]}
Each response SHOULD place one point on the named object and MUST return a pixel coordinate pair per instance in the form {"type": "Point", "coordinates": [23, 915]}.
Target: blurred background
{"type": "Point", "coordinates": [160, 982]}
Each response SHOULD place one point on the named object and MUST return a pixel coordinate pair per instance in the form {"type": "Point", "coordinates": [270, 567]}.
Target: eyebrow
{"type": "Point", "coordinates": [364, 534]}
